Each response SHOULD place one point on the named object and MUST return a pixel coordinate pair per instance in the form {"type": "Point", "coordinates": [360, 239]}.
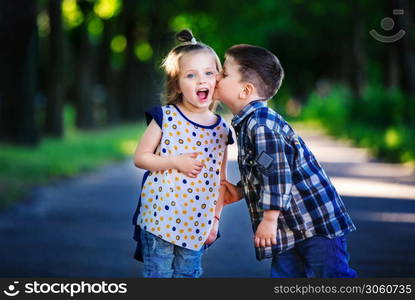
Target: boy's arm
{"type": "Point", "coordinates": [276, 182]}
{"type": "Point", "coordinates": [231, 193]}
{"type": "Point", "coordinates": [145, 158]}
{"type": "Point", "coordinates": [274, 169]}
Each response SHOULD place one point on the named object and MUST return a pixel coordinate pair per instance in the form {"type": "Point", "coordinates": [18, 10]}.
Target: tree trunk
{"type": "Point", "coordinates": [358, 53]}
{"type": "Point", "coordinates": [18, 56]}
{"type": "Point", "coordinates": [130, 106]}
{"type": "Point", "coordinates": [109, 77]}
{"type": "Point", "coordinates": [54, 104]}
{"type": "Point", "coordinates": [160, 39]}
{"type": "Point", "coordinates": [84, 101]}
{"type": "Point", "coordinates": [406, 49]}
{"type": "Point", "coordinates": [391, 77]}
{"type": "Point", "coordinates": [406, 58]}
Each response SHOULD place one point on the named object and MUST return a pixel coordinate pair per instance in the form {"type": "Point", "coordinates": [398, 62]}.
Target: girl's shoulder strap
{"type": "Point", "coordinates": [230, 140]}
{"type": "Point", "coordinates": [156, 113]}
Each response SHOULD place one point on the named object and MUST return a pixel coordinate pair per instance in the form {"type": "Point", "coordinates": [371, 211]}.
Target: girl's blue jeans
{"type": "Point", "coordinates": [165, 260]}
{"type": "Point", "coordinates": [318, 256]}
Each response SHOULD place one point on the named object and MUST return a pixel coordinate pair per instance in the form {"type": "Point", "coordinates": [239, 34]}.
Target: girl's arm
{"type": "Point", "coordinates": [145, 158]}
{"type": "Point", "coordinates": [219, 205]}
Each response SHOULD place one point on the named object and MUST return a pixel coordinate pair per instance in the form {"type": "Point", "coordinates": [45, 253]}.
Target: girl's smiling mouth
{"type": "Point", "coordinates": [202, 94]}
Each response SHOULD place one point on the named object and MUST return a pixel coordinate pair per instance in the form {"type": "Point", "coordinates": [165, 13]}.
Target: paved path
{"type": "Point", "coordinates": [82, 227]}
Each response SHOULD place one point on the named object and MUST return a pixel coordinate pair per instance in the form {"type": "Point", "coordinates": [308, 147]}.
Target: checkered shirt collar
{"type": "Point", "coordinates": [247, 110]}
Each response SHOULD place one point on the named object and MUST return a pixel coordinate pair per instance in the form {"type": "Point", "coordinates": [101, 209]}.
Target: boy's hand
{"type": "Point", "coordinates": [266, 233]}
{"type": "Point", "coordinates": [213, 232]}
{"type": "Point", "coordinates": [188, 165]}
{"type": "Point", "coordinates": [232, 193]}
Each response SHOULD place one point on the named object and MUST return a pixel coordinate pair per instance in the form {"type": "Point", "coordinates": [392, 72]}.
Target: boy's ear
{"type": "Point", "coordinates": [247, 91]}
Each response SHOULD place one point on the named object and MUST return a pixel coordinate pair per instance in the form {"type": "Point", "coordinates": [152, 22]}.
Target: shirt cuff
{"type": "Point", "coordinates": [275, 202]}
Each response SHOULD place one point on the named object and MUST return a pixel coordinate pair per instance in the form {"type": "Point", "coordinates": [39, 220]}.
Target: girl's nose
{"type": "Point", "coordinates": [202, 79]}
{"type": "Point", "coordinates": [218, 76]}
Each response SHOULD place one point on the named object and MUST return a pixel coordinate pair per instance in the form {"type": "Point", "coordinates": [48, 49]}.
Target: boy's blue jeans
{"type": "Point", "coordinates": [318, 256]}
{"type": "Point", "coordinates": [165, 260]}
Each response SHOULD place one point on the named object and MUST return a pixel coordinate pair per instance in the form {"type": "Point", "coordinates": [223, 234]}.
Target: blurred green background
{"type": "Point", "coordinates": [76, 76]}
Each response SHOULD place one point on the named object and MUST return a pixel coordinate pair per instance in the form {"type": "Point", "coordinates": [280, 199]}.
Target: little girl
{"type": "Point", "coordinates": [184, 151]}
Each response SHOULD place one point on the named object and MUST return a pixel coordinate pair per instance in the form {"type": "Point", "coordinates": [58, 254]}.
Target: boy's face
{"type": "Point", "coordinates": [229, 85]}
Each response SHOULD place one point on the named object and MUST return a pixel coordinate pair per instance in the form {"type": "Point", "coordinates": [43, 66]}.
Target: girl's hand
{"type": "Point", "coordinates": [188, 165]}
{"type": "Point", "coordinates": [213, 232]}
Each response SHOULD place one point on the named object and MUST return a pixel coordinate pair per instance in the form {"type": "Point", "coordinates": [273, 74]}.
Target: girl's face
{"type": "Point", "coordinates": [197, 78]}
{"type": "Point", "coordinates": [229, 84]}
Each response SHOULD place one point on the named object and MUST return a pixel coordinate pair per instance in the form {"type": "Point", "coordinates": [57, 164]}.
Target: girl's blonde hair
{"type": "Point", "coordinates": [171, 65]}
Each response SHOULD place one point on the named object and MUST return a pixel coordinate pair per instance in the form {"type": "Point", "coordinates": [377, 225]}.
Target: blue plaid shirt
{"type": "Point", "coordinates": [279, 172]}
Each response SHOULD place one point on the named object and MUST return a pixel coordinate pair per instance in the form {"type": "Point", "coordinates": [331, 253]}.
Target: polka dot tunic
{"type": "Point", "coordinates": [174, 207]}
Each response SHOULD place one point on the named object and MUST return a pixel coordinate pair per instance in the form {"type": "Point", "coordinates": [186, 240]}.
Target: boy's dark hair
{"type": "Point", "coordinates": [259, 67]}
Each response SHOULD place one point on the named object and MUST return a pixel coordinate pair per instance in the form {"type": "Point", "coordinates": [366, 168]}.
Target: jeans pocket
{"type": "Point", "coordinates": [341, 246]}
{"type": "Point", "coordinates": [344, 256]}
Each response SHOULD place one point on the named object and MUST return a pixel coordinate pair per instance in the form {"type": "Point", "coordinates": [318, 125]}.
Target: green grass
{"type": "Point", "coordinates": [22, 168]}
{"type": "Point", "coordinates": [375, 122]}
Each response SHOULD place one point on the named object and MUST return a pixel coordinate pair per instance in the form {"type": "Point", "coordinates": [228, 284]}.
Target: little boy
{"type": "Point", "coordinates": [298, 218]}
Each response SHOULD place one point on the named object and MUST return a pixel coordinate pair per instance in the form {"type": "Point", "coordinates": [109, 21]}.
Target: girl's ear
{"type": "Point", "coordinates": [247, 91]}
